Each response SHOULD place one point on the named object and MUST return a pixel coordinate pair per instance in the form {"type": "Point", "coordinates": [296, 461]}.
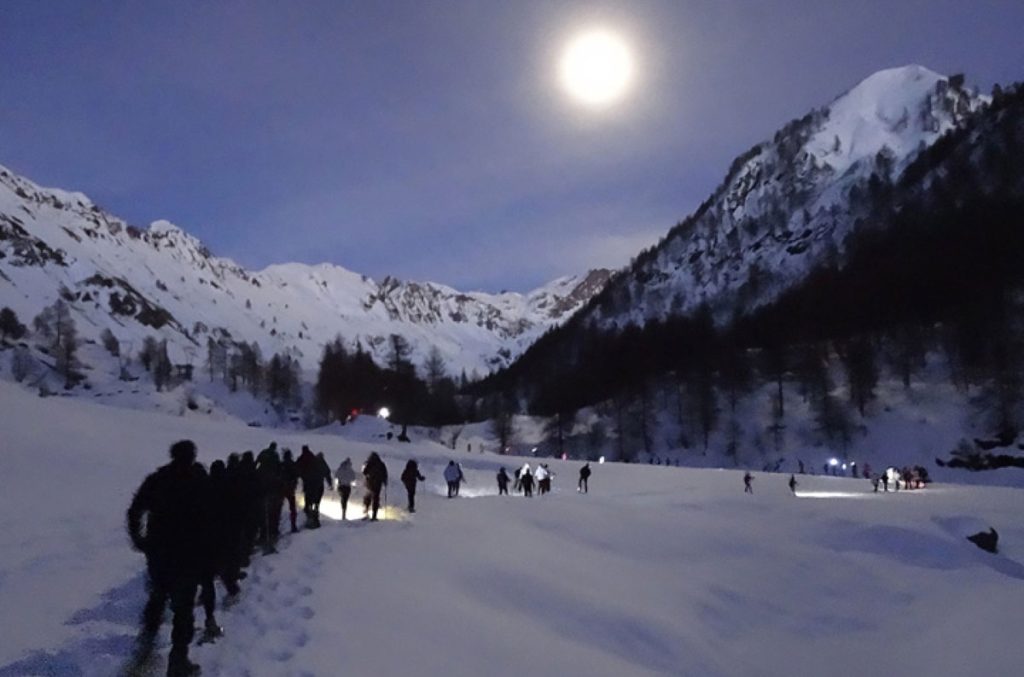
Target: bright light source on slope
{"type": "Point", "coordinates": [832, 494]}
{"type": "Point", "coordinates": [330, 507]}
{"type": "Point", "coordinates": [384, 413]}
{"type": "Point", "coordinates": [601, 460]}
{"type": "Point", "coordinates": [833, 461]}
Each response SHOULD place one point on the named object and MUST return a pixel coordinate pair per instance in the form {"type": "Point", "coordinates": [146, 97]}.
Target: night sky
{"type": "Point", "coordinates": [432, 140]}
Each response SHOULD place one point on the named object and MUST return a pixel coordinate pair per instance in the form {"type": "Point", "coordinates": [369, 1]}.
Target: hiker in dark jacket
{"type": "Point", "coordinates": [502, 482]}
{"type": "Point", "coordinates": [291, 484]}
{"type": "Point", "coordinates": [173, 504]}
{"type": "Point", "coordinates": [410, 476]}
{"type": "Point", "coordinates": [219, 555]}
{"type": "Point", "coordinates": [316, 475]}
{"type": "Point", "coordinates": [375, 474]}
{"type": "Point", "coordinates": [581, 486]}
{"type": "Point", "coordinates": [526, 481]}
{"type": "Point", "coordinates": [272, 489]}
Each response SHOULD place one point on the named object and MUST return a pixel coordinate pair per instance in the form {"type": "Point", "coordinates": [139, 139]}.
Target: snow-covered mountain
{"type": "Point", "coordinates": [163, 282]}
{"type": "Point", "coordinates": [789, 202]}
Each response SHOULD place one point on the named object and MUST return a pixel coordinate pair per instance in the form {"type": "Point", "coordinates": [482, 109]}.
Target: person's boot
{"type": "Point", "coordinates": [211, 632]}
{"type": "Point", "coordinates": [178, 665]}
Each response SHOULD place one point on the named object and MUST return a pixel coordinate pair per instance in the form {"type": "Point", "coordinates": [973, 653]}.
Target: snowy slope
{"type": "Point", "coordinates": [656, 571]}
{"type": "Point", "coordinates": [161, 281]}
{"type": "Point", "coordinates": [788, 203]}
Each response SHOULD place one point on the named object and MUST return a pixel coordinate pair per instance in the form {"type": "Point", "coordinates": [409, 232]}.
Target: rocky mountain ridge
{"type": "Point", "coordinates": [162, 281]}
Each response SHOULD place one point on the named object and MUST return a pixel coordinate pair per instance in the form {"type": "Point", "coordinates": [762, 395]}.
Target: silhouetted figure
{"type": "Point", "coordinates": [518, 485]}
{"type": "Point", "coordinates": [987, 541]}
{"type": "Point", "coordinates": [581, 486]}
{"type": "Point", "coordinates": [219, 548]}
{"type": "Point", "coordinates": [748, 487]}
{"type": "Point", "coordinates": [346, 477]}
{"type": "Point", "coordinates": [874, 482]}
{"type": "Point", "coordinates": [173, 502]}
{"type": "Point", "coordinates": [800, 464]}
{"type": "Point", "coordinates": [452, 473]}
{"type": "Point", "coordinates": [291, 484]}
{"type": "Point", "coordinates": [236, 512]}
{"type": "Point", "coordinates": [272, 489]}
{"type": "Point", "coordinates": [410, 476]}
{"type": "Point", "coordinates": [526, 480]}
{"type": "Point", "coordinates": [793, 484]}
{"type": "Point", "coordinates": [316, 475]}
{"type": "Point", "coordinates": [252, 503]}
{"type": "Point", "coordinates": [885, 481]}
{"type": "Point", "coordinates": [375, 474]}
{"type": "Point", "coordinates": [502, 482]}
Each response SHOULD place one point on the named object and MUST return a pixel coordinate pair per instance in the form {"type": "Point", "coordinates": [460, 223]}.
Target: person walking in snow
{"type": "Point", "coordinates": [272, 488]}
{"type": "Point", "coordinates": [541, 475]}
{"type": "Point", "coordinates": [548, 476]}
{"type": "Point", "coordinates": [581, 486]}
{"type": "Point", "coordinates": [173, 503]}
{"type": "Point", "coordinates": [291, 484]}
{"type": "Point", "coordinates": [375, 474]}
{"type": "Point", "coordinates": [217, 549]}
{"type": "Point", "coordinates": [885, 480]}
{"type": "Point", "coordinates": [793, 484]}
{"type": "Point", "coordinates": [526, 480]}
{"type": "Point", "coordinates": [502, 482]}
{"type": "Point", "coordinates": [451, 477]}
{"type": "Point", "coordinates": [316, 476]}
{"type": "Point", "coordinates": [346, 477]}
{"type": "Point", "coordinates": [410, 476]}
{"type": "Point", "coordinates": [747, 486]}
{"type": "Point", "coordinates": [517, 486]}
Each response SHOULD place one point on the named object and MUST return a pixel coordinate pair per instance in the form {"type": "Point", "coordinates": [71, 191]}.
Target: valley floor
{"type": "Point", "coordinates": [656, 571]}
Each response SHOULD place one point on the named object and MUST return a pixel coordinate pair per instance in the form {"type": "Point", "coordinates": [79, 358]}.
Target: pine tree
{"type": "Point", "coordinates": [10, 327]}
{"type": "Point", "coordinates": [110, 342]}
{"type": "Point", "coordinates": [162, 367]}
{"type": "Point", "coordinates": [503, 424]}
{"type": "Point", "coordinates": [858, 356]}
{"type": "Point", "coordinates": [65, 343]}
{"type": "Point", "coordinates": [149, 352]}
{"type": "Point", "coordinates": [434, 370]}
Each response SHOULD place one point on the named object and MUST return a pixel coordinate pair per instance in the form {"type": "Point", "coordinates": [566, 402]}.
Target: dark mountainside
{"type": "Point", "coordinates": [931, 263]}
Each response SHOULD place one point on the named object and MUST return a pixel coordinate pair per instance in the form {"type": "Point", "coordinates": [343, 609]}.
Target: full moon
{"type": "Point", "coordinates": [596, 67]}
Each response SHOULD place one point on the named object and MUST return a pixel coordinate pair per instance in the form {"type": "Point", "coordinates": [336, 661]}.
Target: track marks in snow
{"type": "Point", "coordinates": [272, 622]}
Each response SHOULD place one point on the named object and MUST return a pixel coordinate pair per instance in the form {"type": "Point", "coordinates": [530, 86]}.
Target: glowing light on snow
{"type": "Point", "coordinates": [833, 461]}
{"type": "Point", "coordinates": [596, 67]}
{"type": "Point", "coordinates": [832, 494]}
{"type": "Point", "coordinates": [384, 413]}
{"type": "Point", "coordinates": [330, 507]}
{"type": "Point", "coordinates": [600, 460]}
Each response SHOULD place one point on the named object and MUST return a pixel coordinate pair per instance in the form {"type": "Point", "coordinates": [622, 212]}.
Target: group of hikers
{"type": "Point", "coordinates": [915, 477]}
{"type": "Point", "coordinates": [195, 526]}
{"type": "Point", "coordinates": [907, 477]}
{"type": "Point", "coordinates": [526, 478]}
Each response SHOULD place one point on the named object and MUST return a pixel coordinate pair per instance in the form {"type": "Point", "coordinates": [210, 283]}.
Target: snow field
{"type": "Point", "coordinates": [657, 571]}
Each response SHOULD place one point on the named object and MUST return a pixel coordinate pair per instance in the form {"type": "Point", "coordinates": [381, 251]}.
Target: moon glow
{"type": "Point", "coordinates": [596, 67]}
